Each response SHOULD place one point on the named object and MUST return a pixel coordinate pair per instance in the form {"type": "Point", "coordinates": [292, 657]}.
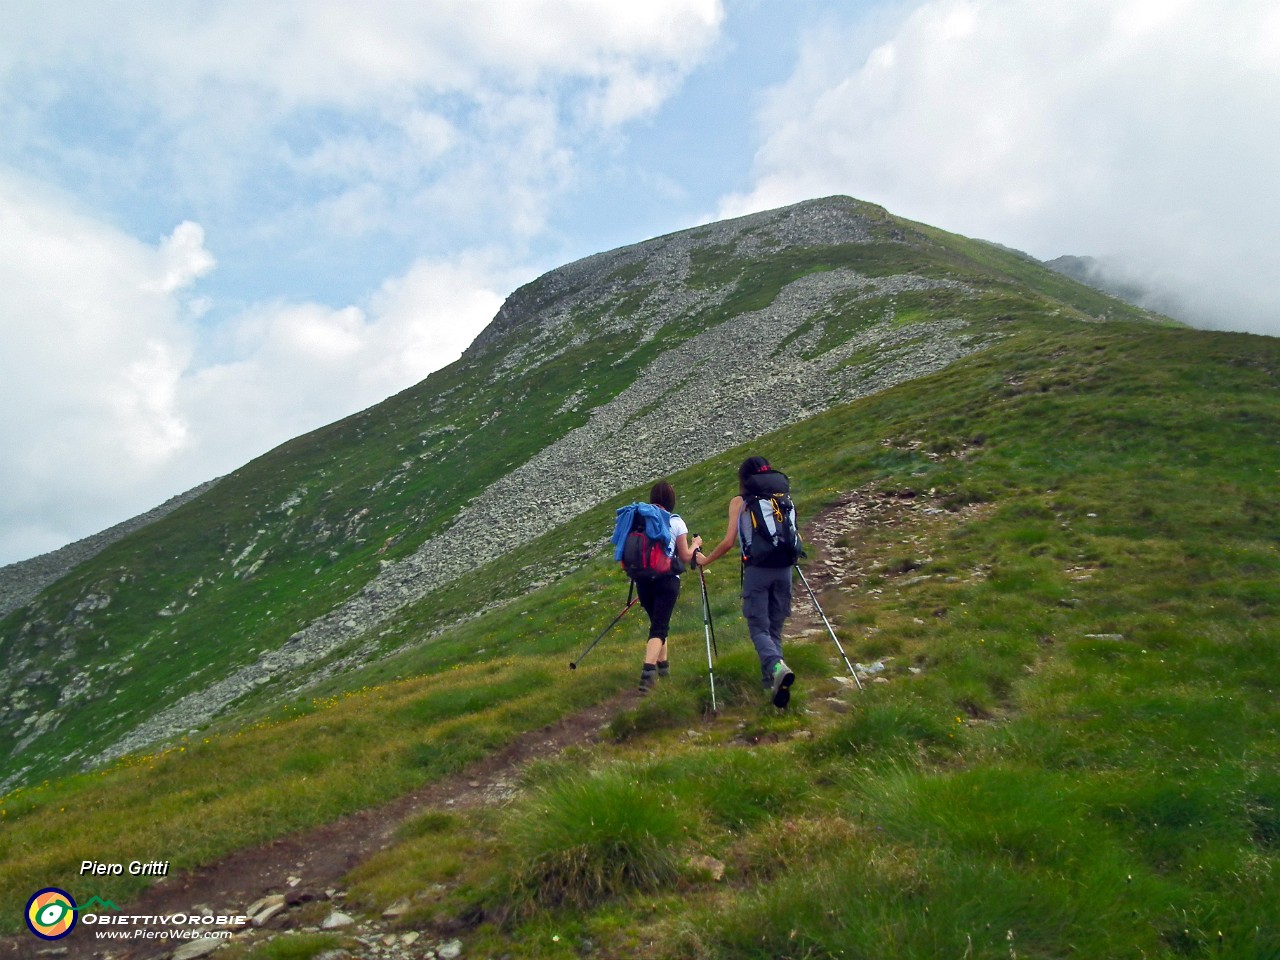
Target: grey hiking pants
{"type": "Point", "coordinates": [766, 604]}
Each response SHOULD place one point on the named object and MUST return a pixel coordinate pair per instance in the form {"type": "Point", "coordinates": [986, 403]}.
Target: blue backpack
{"type": "Point", "coordinates": [642, 541]}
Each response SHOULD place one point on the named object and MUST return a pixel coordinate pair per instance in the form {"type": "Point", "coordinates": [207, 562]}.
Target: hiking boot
{"type": "Point", "coordinates": [664, 669]}
{"type": "Point", "coordinates": [648, 678]}
{"type": "Point", "coordinates": [783, 677]}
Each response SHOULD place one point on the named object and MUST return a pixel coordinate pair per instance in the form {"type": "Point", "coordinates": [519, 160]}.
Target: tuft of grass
{"type": "Point", "coordinates": [891, 729]}
{"type": "Point", "coordinates": [735, 790]}
{"type": "Point", "coordinates": [441, 862]}
{"type": "Point", "coordinates": [667, 707]}
{"type": "Point", "coordinates": [589, 838]}
{"type": "Point", "coordinates": [737, 674]}
{"type": "Point", "coordinates": [427, 824]}
{"type": "Point", "coordinates": [774, 847]}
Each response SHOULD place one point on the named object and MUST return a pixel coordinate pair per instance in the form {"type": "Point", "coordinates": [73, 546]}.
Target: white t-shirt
{"type": "Point", "coordinates": [678, 528]}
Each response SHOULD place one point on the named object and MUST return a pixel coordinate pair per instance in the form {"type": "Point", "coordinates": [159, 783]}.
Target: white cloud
{"type": "Point", "coordinates": [334, 52]}
{"type": "Point", "coordinates": [184, 257]}
{"type": "Point", "coordinates": [299, 54]}
{"type": "Point", "coordinates": [336, 119]}
{"type": "Point", "coordinates": [422, 138]}
{"type": "Point", "coordinates": [1120, 128]}
{"type": "Point", "coordinates": [94, 341]}
{"type": "Point", "coordinates": [427, 317]}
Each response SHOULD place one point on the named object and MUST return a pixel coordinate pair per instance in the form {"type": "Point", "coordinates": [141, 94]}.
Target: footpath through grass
{"type": "Point", "coordinates": [1075, 753]}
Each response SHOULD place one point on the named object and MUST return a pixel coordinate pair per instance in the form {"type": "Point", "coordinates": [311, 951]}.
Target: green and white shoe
{"type": "Point", "coordinates": [783, 678]}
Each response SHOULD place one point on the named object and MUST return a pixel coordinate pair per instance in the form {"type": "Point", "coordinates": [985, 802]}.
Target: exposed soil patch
{"type": "Point", "coordinates": [850, 540]}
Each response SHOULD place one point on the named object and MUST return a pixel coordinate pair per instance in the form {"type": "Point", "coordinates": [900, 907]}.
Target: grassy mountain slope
{"type": "Point", "coordinates": [213, 594]}
{"type": "Point", "coordinates": [1063, 552]}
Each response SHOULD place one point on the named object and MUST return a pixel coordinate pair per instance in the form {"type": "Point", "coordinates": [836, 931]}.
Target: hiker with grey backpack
{"type": "Point", "coordinates": [762, 520]}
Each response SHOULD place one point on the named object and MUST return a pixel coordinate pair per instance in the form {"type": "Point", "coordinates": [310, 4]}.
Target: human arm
{"type": "Point", "coordinates": [730, 534]}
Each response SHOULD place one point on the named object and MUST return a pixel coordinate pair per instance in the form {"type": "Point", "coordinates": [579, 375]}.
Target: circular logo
{"type": "Point", "coordinates": [51, 914]}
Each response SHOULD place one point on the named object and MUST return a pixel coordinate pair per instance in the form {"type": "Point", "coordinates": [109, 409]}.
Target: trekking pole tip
{"type": "Point", "coordinates": [572, 665]}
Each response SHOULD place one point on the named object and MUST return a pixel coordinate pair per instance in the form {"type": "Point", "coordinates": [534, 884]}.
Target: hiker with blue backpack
{"type": "Point", "coordinates": [652, 543]}
{"type": "Point", "coordinates": [763, 522]}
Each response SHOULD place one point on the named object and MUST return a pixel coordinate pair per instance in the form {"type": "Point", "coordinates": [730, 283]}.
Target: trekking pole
{"type": "Point", "coordinates": [852, 672]}
{"type": "Point", "coordinates": [706, 606]}
{"type": "Point", "coordinates": [711, 638]}
{"type": "Point", "coordinates": [573, 664]}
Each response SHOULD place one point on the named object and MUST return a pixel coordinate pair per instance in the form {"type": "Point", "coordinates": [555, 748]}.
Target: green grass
{"type": "Point", "coordinates": [290, 946]}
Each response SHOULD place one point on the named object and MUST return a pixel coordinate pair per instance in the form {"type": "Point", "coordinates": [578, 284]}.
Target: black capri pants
{"type": "Point", "coordinates": [658, 597]}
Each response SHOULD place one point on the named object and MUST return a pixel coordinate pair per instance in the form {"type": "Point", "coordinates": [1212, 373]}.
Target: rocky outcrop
{"type": "Point", "coordinates": [534, 314]}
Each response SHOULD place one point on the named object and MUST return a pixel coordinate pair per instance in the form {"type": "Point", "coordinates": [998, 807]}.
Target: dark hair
{"type": "Point", "coordinates": [749, 466]}
{"type": "Point", "coordinates": [664, 495]}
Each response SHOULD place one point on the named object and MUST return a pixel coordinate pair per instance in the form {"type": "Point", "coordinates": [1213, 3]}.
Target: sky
{"type": "Point", "coordinates": [225, 224]}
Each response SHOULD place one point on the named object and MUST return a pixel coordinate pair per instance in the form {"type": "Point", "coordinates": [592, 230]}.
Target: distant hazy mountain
{"type": "Point", "coordinates": [1107, 277]}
